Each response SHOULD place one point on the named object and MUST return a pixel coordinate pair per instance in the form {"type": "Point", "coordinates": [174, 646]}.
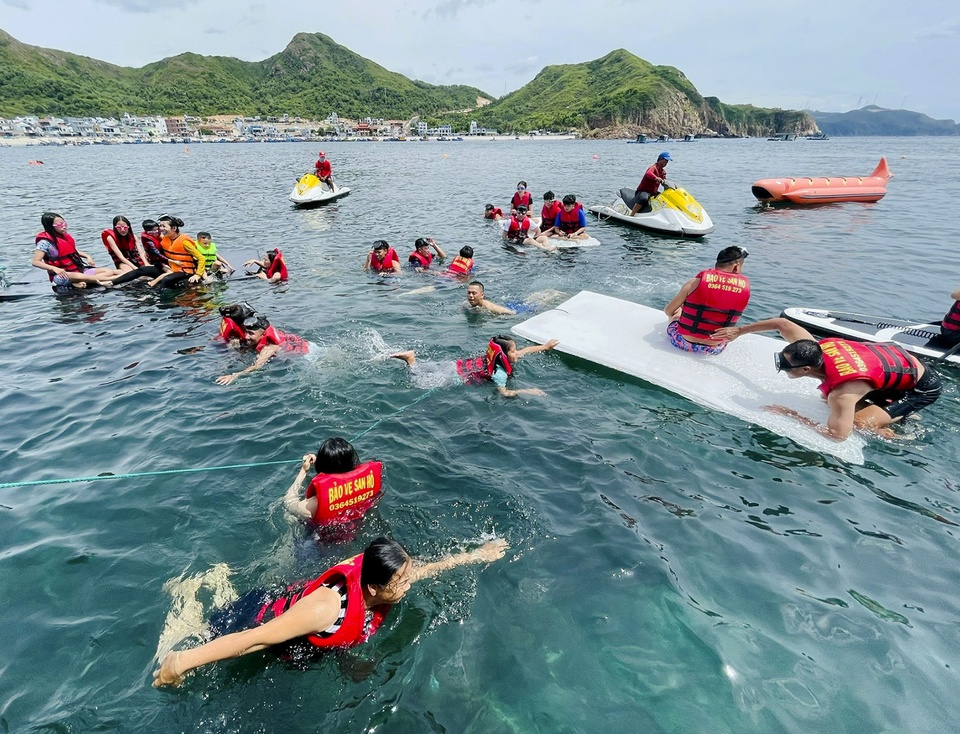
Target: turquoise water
{"type": "Point", "coordinates": [672, 569]}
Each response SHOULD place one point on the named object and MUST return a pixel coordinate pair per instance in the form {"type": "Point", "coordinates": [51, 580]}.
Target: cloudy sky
{"type": "Point", "coordinates": [816, 55]}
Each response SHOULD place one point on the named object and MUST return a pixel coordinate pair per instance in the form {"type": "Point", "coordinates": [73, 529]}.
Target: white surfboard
{"type": "Point", "coordinates": [632, 338]}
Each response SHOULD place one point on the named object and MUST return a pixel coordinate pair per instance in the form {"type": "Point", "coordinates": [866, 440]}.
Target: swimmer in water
{"type": "Point", "coordinates": [495, 366]}
{"type": "Point", "coordinates": [342, 607]}
{"type": "Point", "coordinates": [268, 341]}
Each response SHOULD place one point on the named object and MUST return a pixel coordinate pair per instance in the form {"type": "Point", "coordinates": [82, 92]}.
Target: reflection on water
{"type": "Point", "coordinates": [661, 553]}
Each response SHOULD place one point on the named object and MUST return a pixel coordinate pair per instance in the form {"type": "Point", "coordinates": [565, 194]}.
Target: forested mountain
{"type": "Point", "coordinates": [312, 77]}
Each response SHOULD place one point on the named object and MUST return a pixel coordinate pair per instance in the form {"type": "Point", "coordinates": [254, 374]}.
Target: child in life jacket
{"type": "Point", "coordinates": [421, 258]}
{"type": "Point", "coordinates": [462, 265]}
{"type": "Point", "coordinates": [492, 212]}
{"type": "Point", "coordinates": [272, 268]}
{"type": "Point", "coordinates": [214, 261]}
{"type": "Point", "coordinates": [496, 366]}
{"type": "Point", "coordinates": [231, 323]}
{"type": "Point", "coordinates": [341, 491]}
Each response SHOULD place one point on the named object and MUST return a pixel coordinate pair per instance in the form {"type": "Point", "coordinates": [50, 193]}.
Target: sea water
{"type": "Point", "coordinates": [672, 569]}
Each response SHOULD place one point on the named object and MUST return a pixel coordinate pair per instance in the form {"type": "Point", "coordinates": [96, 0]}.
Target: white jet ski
{"type": "Point", "coordinates": [674, 212]}
{"type": "Point", "coordinates": [309, 190]}
{"type": "Point", "coordinates": [921, 338]}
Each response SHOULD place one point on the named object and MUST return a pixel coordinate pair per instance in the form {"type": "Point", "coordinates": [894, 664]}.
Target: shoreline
{"type": "Point", "coordinates": [23, 142]}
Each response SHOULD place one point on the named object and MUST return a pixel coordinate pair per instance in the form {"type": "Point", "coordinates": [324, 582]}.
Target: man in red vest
{"type": "Point", "coordinates": [324, 170]}
{"type": "Point", "coordinates": [710, 300]}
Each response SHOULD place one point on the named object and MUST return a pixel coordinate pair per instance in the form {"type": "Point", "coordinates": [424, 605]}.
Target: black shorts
{"type": "Point", "coordinates": [898, 404]}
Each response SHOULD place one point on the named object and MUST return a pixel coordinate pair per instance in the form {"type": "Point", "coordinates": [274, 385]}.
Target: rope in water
{"type": "Point", "coordinates": [137, 475]}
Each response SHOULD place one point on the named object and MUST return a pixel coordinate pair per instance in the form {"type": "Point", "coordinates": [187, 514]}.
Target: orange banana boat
{"type": "Point", "coordinates": [825, 190]}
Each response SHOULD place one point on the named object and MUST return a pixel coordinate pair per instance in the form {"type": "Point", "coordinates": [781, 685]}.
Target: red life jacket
{"type": "Point", "coordinates": [151, 245]}
{"type": "Point", "coordinates": [387, 263]}
{"type": "Point", "coordinates": [127, 246]}
{"type": "Point", "coordinates": [886, 366]}
{"type": "Point", "coordinates": [476, 370]}
{"type": "Point", "coordinates": [717, 301]}
{"type": "Point", "coordinates": [346, 497]}
{"type": "Point", "coordinates": [277, 266]}
{"type": "Point", "coordinates": [493, 213]}
{"type": "Point", "coordinates": [951, 322]}
{"type": "Point", "coordinates": [461, 265]}
{"type": "Point", "coordinates": [421, 259]}
{"type": "Point", "coordinates": [549, 213]}
{"type": "Point", "coordinates": [352, 628]}
{"type": "Point", "coordinates": [67, 257]}
{"type": "Point", "coordinates": [288, 342]}
{"type": "Point", "coordinates": [521, 199]}
{"type": "Point", "coordinates": [230, 329]}
{"type": "Point", "coordinates": [570, 220]}
{"type": "Point", "coordinates": [518, 230]}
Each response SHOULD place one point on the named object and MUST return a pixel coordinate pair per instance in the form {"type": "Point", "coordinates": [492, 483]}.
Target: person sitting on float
{"type": "Point", "coordinates": [341, 608]}
{"type": "Point", "coordinates": [382, 259]}
{"type": "Point", "coordinates": [421, 258]}
{"type": "Point", "coordinates": [122, 246]}
{"type": "Point", "coordinates": [522, 231]}
{"type": "Point", "coordinates": [521, 197]}
{"type": "Point", "coordinates": [571, 222]}
{"type": "Point", "coordinates": [66, 266]}
{"type": "Point", "coordinates": [215, 263]}
{"type": "Point", "coordinates": [272, 268]}
{"type": "Point", "coordinates": [342, 490]}
{"type": "Point", "coordinates": [495, 366]}
{"type": "Point", "coordinates": [184, 261]}
{"type": "Point", "coordinates": [268, 341]}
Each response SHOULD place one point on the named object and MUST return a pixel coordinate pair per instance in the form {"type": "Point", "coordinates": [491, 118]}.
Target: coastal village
{"type": "Point", "coordinates": [52, 130]}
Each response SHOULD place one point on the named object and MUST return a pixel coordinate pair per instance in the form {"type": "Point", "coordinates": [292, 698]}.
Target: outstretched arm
{"type": "Point", "coordinates": [497, 308]}
{"type": "Point", "coordinates": [265, 355]}
{"type": "Point", "coordinates": [486, 553]}
{"type": "Point", "coordinates": [537, 348]}
{"type": "Point", "coordinates": [314, 612]}
{"type": "Point", "coordinates": [790, 331]}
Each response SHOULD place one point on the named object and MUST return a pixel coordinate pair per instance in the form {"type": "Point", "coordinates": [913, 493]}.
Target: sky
{"type": "Point", "coordinates": [817, 55]}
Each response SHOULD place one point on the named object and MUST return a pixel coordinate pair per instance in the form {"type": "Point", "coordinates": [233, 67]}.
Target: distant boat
{"type": "Point", "coordinates": [640, 139]}
{"type": "Point", "coordinates": [781, 137]}
{"type": "Point", "coordinates": [688, 139]}
{"type": "Point", "coordinates": [818, 136]}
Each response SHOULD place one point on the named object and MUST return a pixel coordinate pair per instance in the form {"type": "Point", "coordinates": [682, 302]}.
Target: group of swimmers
{"type": "Point", "coordinates": [162, 255]}
{"type": "Point", "coordinates": [383, 259]}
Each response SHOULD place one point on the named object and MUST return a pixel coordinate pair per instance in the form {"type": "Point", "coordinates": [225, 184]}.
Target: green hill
{"type": "Point", "coordinates": [622, 95]}
{"type": "Point", "coordinates": [311, 77]}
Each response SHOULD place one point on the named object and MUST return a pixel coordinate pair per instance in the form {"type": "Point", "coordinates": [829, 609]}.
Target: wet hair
{"type": "Point", "coordinates": [422, 242]}
{"type": "Point", "coordinates": [522, 183]}
{"type": "Point", "coordinates": [272, 255]}
{"type": "Point", "coordinates": [804, 353]}
{"type": "Point", "coordinates": [549, 196]}
{"type": "Point", "coordinates": [46, 219]}
{"type": "Point", "coordinates": [488, 207]}
{"type": "Point", "coordinates": [504, 342]}
{"type": "Point", "coordinates": [148, 224]}
{"type": "Point", "coordinates": [522, 209]}
{"type": "Point", "coordinates": [174, 222]}
{"type": "Point", "coordinates": [258, 323]}
{"type": "Point", "coordinates": [336, 456]}
{"type": "Point", "coordinates": [476, 282]}
{"type": "Point", "coordinates": [238, 312]}
{"type": "Point", "coordinates": [381, 561]}
{"type": "Point", "coordinates": [569, 199]}
{"type": "Point", "coordinates": [117, 220]}
{"type": "Point", "coordinates": [381, 245]}
{"type": "Point", "coordinates": [203, 234]}
{"type": "Point", "coordinates": [466, 251]}
{"type": "Point", "coordinates": [729, 255]}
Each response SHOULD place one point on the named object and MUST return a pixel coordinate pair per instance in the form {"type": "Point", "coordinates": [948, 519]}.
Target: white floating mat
{"type": "Point", "coordinates": [564, 243]}
{"type": "Point", "coordinates": [632, 338]}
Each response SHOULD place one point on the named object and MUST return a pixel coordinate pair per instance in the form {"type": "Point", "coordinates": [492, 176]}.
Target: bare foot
{"type": "Point", "coordinates": [409, 357]}
{"type": "Point", "coordinates": [105, 284]}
